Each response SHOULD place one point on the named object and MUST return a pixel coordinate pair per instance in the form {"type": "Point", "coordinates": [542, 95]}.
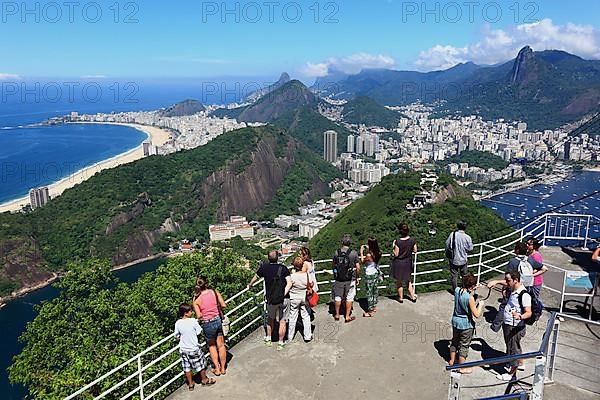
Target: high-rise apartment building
{"type": "Point", "coordinates": [38, 197]}
{"type": "Point", "coordinates": [351, 143]}
{"type": "Point", "coordinates": [330, 146]}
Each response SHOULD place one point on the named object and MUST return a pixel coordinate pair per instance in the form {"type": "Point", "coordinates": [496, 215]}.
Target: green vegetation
{"type": "Point", "coordinates": [118, 213]}
{"type": "Point", "coordinates": [476, 158]}
{"type": "Point", "coordinates": [308, 126]}
{"type": "Point", "coordinates": [383, 208]}
{"type": "Point", "coordinates": [297, 184]}
{"type": "Point", "coordinates": [364, 110]}
{"type": "Point", "coordinates": [96, 323]}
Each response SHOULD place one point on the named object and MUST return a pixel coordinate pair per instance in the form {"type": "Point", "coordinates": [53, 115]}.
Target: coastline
{"type": "Point", "coordinates": [24, 291]}
{"type": "Point", "coordinates": [28, 289]}
{"type": "Point", "coordinates": [157, 135]}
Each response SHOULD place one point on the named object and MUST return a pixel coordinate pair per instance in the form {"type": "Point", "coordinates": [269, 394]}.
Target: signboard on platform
{"type": "Point", "coordinates": [580, 279]}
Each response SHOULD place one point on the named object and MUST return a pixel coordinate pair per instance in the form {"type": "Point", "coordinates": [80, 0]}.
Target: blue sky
{"type": "Point", "coordinates": [193, 38]}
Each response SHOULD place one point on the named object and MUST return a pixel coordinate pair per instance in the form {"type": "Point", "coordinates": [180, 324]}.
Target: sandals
{"type": "Point", "coordinates": [191, 387]}
{"type": "Point", "coordinates": [215, 372]}
{"type": "Point", "coordinates": [414, 299]}
{"type": "Point", "coordinates": [208, 382]}
{"type": "Point", "coordinates": [368, 314]}
{"type": "Point", "coordinates": [336, 318]}
{"type": "Point", "coordinates": [350, 320]}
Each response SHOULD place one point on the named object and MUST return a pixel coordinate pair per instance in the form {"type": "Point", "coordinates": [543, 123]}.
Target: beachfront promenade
{"type": "Point", "coordinates": [401, 353]}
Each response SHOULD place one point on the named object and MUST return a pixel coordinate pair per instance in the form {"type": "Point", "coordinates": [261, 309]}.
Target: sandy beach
{"type": "Point", "coordinates": [156, 135]}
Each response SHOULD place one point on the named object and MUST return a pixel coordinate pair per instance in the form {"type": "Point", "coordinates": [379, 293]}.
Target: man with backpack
{"type": "Point", "coordinates": [519, 263]}
{"type": "Point", "coordinates": [458, 246]}
{"type": "Point", "coordinates": [277, 284]}
{"type": "Point", "coordinates": [346, 270]}
{"type": "Point", "coordinates": [517, 312]}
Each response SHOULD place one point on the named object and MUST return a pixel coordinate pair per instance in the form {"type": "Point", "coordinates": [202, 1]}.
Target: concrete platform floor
{"type": "Point", "coordinates": [400, 353]}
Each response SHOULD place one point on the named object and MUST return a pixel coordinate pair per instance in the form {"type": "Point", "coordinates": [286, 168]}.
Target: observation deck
{"type": "Point", "coordinates": [402, 351]}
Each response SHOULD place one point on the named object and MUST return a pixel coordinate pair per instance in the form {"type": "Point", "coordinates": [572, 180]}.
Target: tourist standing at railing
{"type": "Point", "coordinates": [370, 255]}
{"type": "Point", "coordinates": [208, 306]}
{"type": "Point", "coordinates": [301, 281]}
{"type": "Point", "coordinates": [277, 284]}
{"type": "Point", "coordinates": [346, 272]}
{"type": "Point", "coordinates": [458, 246]}
{"type": "Point", "coordinates": [309, 266]}
{"type": "Point", "coordinates": [402, 266]}
{"type": "Point", "coordinates": [520, 264]}
{"type": "Point", "coordinates": [517, 310]}
{"type": "Point", "coordinates": [539, 269]}
{"type": "Point", "coordinates": [463, 323]}
{"type": "Point", "coordinates": [187, 330]}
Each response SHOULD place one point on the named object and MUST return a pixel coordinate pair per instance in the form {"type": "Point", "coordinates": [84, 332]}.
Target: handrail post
{"type": "Point", "coordinates": [454, 389]}
{"type": "Point", "coordinates": [562, 292]}
{"type": "Point", "coordinates": [479, 264]}
{"type": "Point", "coordinates": [545, 229]}
{"type": "Point", "coordinates": [140, 377]}
{"type": "Point", "coordinates": [552, 351]}
{"type": "Point", "coordinates": [587, 232]}
{"type": "Point", "coordinates": [415, 274]}
{"type": "Point", "coordinates": [538, 378]}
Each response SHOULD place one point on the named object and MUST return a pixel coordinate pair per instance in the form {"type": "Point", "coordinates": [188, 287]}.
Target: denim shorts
{"type": "Point", "coordinates": [212, 328]}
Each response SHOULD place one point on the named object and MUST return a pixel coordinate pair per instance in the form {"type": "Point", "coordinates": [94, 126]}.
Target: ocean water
{"type": "Point", "coordinates": [520, 207]}
{"type": "Point", "coordinates": [16, 314]}
{"type": "Point", "coordinates": [38, 156]}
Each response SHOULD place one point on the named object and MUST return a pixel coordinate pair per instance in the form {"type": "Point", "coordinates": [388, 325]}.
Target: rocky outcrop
{"type": "Point", "coordinates": [451, 191]}
{"type": "Point", "coordinates": [22, 263]}
{"type": "Point", "coordinates": [123, 218]}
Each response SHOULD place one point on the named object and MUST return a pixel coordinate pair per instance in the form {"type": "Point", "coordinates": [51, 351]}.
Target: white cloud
{"type": "Point", "coordinates": [351, 64]}
{"type": "Point", "coordinates": [9, 77]}
{"type": "Point", "coordinates": [499, 45]}
{"type": "Point", "coordinates": [94, 77]}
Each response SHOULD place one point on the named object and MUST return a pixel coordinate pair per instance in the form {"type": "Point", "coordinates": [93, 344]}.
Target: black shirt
{"type": "Point", "coordinates": [269, 272]}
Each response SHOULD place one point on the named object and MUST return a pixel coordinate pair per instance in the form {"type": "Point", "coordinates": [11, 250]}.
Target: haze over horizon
{"type": "Point", "coordinates": [229, 39]}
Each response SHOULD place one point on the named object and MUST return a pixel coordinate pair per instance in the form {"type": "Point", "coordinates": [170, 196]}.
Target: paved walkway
{"type": "Point", "coordinates": [400, 353]}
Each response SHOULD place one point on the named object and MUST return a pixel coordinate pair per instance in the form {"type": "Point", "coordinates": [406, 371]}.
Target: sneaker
{"type": "Point", "coordinates": [280, 346]}
{"type": "Point", "coordinates": [268, 342]}
{"type": "Point", "coordinates": [506, 377]}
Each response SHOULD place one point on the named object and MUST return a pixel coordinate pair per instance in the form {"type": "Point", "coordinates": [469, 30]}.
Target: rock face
{"type": "Point", "coordinates": [256, 95]}
{"type": "Point", "coordinates": [22, 263]}
{"type": "Point", "coordinates": [451, 191]}
{"type": "Point", "coordinates": [231, 191]}
{"type": "Point", "coordinates": [123, 218]}
{"type": "Point", "coordinates": [519, 70]}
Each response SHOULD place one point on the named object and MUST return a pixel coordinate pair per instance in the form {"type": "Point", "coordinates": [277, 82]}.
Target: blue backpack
{"type": "Point", "coordinates": [537, 307]}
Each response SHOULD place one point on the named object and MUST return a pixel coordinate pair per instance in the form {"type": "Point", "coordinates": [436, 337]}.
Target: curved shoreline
{"type": "Point", "coordinates": [158, 137]}
{"type": "Point", "coordinates": [24, 291]}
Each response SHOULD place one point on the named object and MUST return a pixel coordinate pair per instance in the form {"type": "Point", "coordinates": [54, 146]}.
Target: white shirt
{"type": "Point", "coordinates": [187, 330]}
{"type": "Point", "coordinates": [371, 269]}
{"type": "Point", "coordinates": [513, 305]}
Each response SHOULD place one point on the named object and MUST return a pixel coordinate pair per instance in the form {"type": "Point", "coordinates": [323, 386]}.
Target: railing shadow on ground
{"type": "Point", "coordinates": [147, 374]}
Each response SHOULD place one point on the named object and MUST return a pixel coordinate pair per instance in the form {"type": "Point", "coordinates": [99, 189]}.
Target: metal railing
{"type": "Point", "coordinates": [487, 258]}
{"type": "Point", "coordinates": [545, 362]}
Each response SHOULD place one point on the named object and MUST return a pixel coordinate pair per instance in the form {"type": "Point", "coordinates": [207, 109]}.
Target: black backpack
{"type": "Point", "coordinates": [452, 249]}
{"type": "Point", "coordinates": [537, 307]}
{"type": "Point", "coordinates": [276, 288]}
{"type": "Point", "coordinates": [342, 270]}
